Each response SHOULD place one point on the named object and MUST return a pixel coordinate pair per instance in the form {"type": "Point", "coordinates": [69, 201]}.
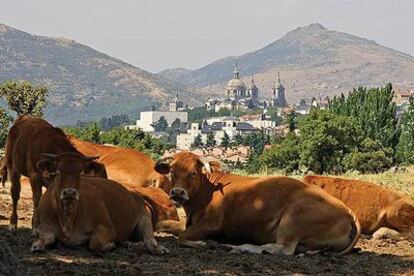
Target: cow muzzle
{"type": "Point", "coordinates": [179, 195]}
{"type": "Point", "coordinates": [69, 194]}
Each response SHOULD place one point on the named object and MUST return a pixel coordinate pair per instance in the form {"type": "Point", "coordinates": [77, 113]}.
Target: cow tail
{"type": "Point", "coordinates": [353, 235]}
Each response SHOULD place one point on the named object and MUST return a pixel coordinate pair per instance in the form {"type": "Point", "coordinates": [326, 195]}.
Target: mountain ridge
{"type": "Point", "coordinates": [311, 54]}
{"type": "Point", "coordinates": [84, 84]}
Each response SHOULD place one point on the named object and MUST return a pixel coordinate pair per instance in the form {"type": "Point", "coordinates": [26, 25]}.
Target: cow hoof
{"type": "Point", "coordinates": [12, 227]}
{"type": "Point", "coordinates": [160, 250]}
{"type": "Point", "coordinates": [108, 247]}
{"type": "Point", "coordinates": [37, 246]}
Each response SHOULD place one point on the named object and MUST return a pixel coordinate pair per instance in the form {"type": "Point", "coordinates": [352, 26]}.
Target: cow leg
{"type": "Point", "coordinates": [15, 194]}
{"type": "Point", "coordinates": [145, 228]}
{"type": "Point", "coordinates": [46, 237]}
{"type": "Point", "coordinates": [36, 183]}
{"type": "Point", "coordinates": [386, 233]}
{"type": "Point", "coordinates": [170, 226]}
{"type": "Point", "coordinates": [102, 239]}
{"type": "Point", "coordinates": [194, 235]}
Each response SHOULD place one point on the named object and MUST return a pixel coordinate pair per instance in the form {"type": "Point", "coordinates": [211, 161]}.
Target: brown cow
{"type": "Point", "coordinates": [79, 209]}
{"type": "Point", "coordinates": [381, 212]}
{"type": "Point", "coordinates": [3, 171]}
{"type": "Point", "coordinates": [273, 213]}
{"type": "Point", "coordinates": [161, 208]}
{"type": "Point", "coordinates": [28, 138]}
{"type": "Point", "coordinates": [129, 167]}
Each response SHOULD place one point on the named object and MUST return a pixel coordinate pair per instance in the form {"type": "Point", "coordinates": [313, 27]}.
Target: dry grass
{"type": "Point", "coordinates": [401, 182]}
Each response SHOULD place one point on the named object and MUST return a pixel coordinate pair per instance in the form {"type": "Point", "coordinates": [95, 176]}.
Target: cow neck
{"type": "Point", "coordinates": [66, 218]}
{"type": "Point", "coordinates": [200, 203]}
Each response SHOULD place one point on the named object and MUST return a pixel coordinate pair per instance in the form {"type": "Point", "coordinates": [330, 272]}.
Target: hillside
{"type": "Point", "coordinates": [84, 83]}
{"type": "Point", "coordinates": [311, 60]}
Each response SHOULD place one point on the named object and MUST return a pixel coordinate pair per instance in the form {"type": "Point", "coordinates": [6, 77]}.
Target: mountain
{"type": "Point", "coordinates": [84, 84]}
{"type": "Point", "coordinates": [312, 61]}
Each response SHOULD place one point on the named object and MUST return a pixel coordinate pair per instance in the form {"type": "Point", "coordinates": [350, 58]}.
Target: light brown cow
{"type": "Point", "coordinates": [79, 209]}
{"type": "Point", "coordinates": [161, 208]}
{"type": "Point", "coordinates": [28, 138]}
{"type": "Point", "coordinates": [381, 212]}
{"type": "Point", "coordinates": [129, 167]}
{"type": "Point", "coordinates": [274, 214]}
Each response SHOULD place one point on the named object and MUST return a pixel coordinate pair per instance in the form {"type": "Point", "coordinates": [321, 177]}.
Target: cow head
{"type": "Point", "coordinates": [161, 181]}
{"type": "Point", "coordinates": [187, 175]}
{"type": "Point", "coordinates": [64, 172]}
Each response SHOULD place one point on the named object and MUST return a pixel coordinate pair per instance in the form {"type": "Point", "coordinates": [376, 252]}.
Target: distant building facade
{"type": "Point", "coordinates": [238, 95]}
{"type": "Point", "coordinates": [278, 97]}
{"type": "Point", "coordinates": [218, 127]}
{"type": "Point", "coordinates": [147, 118]}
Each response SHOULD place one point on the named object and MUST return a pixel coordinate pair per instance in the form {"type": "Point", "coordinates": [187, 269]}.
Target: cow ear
{"type": "Point", "coordinates": [162, 168]}
{"type": "Point", "coordinates": [47, 168]}
{"type": "Point", "coordinates": [95, 169]}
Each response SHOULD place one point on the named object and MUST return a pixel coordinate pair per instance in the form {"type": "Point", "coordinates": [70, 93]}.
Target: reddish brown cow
{"type": "Point", "coordinates": [381, 212]}
{"type": "Point", "coordinates": [28, 138]}
{"type": "Point", "coordinates": [129, 167]}
{"type": "Point", "coordinates": [79, 209]}
{"type": "Point", "coordinates": [161, 208]}
{"type": "Point", "coordinates": [3, 171]}
{"type": "Point", "coordinates": [274, 214]}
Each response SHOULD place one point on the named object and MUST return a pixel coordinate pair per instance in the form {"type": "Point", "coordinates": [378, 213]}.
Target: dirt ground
{"type": "Point", "coordinates": [375, 257]}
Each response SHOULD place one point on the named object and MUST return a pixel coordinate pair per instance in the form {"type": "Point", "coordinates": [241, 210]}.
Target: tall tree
{"type": "Point", "coordinates": [405, 147]}
{"type": "Point", "coordinates": [373, 111]}
{"type": "Point", "coordinates": [211, 142]}
{"type": "Point", "coordinates": [160, 125]}
{"type": "Point", "coordinates": [225, 141]}
{"type": "Point", "coordinates": [24, 98]}
{"type": "Point", "coordinates": [198, 142]}
{"type": "Point", "coordinates": [4, 126]}
{"type": "Point", "coordinates": [292, 121]}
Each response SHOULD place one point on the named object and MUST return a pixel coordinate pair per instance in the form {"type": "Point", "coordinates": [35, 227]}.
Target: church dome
{"type": "Point", "coordinates": [236, 83]}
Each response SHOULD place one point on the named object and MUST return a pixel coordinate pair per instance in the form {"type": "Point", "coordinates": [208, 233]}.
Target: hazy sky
{"type": "Point", "coordinates": [159, 34]}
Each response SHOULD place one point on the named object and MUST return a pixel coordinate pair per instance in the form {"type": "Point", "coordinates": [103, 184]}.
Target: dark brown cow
{"type": "Point", "coordinates": [28, 138]}
{"type": "Point", "coordinates": [381, 212]}
{"type": "Point", "coordinates": [3, 171]}
{"type": "Point", "coordinates": [78, 209]}
{"type": "Point", "coordinates": [129, 167]}
{"type": "Point", "coordinates": [274, 214]}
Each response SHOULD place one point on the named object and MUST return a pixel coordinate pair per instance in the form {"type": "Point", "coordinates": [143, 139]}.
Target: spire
{"type": "Point", "coordinates": [236, 71]}
{"type": "Point", "coordinates": [278, 77]}
{"type": "Point", "coordinates": [252, 78]}
{"type": "Point", "coordinates": [176, 96]}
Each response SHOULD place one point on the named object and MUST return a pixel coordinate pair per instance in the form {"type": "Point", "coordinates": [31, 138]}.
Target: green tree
{"type": "Point", "coordinates": [176, 124]}
{"type": "Point", "coordinates": [292, 121]}
{"type": "Point", "coordinates": [325, 140]}
{"type": "Point", "coordinates": [373, 111]}
{"type": "Point", "coordinates": [369, 157]}
{"type": "Point", "coordinates": [24, 98]}
{"type": "Point", "coordinates": [238, 139]}
{"type": "Point", "coordinates": [160, 125]}
{"type": "Point", "coordinates": [198, 142]}
{"type": "Point", "coordinates": [284, 156]}
{"type": "Point", "coordinates": [225, 141]}
{"type": "Point", "coordinates": [405, 148]}
{"type": "Point", "coordinates": [211, 142]}
{"type": "Point", "coordinates": [4, 126]}
{"type": "Point", "coordinates": [113, 121]}
{"type": "Point", "coordinates": [87, 132]}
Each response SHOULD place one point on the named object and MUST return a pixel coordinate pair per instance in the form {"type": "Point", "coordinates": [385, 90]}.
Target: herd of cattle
{"type": "Point", "coordinates": [105, 195]}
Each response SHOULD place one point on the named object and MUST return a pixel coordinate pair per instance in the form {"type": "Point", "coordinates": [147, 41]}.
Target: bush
{"type": "Point", "coordinates": [370, 157]}
{"type": "Point", "coordinates": [284, 156]}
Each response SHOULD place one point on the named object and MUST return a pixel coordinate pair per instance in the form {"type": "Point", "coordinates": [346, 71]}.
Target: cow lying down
{"type": "Point", "coordinates": [381, 212]}
{"type": "Point", "coordinates": [270, 214]}
{"type": "Point", "coordinates": [78, 209]}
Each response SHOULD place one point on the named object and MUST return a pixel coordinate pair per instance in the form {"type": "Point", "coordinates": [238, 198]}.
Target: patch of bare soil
{"type": "Point", "coordinates": [375, 257]}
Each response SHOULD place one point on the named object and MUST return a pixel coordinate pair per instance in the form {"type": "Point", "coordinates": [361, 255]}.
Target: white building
{"type": "Point", "coordinates": [218, 127]}
{"type": "Point", "coordinates": [147, 118]}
